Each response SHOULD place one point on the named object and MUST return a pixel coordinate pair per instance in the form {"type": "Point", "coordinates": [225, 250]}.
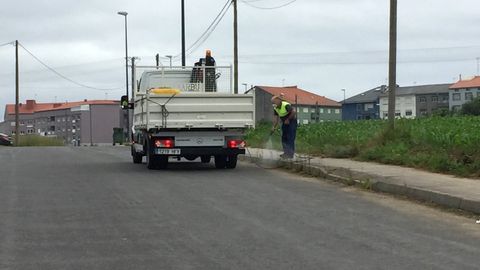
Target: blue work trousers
{"type": "Point", "coordinates": [289, 132]}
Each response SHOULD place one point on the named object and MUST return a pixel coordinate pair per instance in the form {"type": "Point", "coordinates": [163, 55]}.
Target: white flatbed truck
{"type": "Point", "coordinates": [178, 113]}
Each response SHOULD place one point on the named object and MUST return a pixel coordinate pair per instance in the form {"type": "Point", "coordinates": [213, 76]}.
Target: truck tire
{"type": "Point", "coordinates": [220, 162]}
{"type": "Point", "coordinates": [137, 158]}
{"type": "Point", "coordinates": [231, 162]}
{"type": "Point", "coordinates": [206, 159]}
{"type": "Point", "coordinates": [151, 161]}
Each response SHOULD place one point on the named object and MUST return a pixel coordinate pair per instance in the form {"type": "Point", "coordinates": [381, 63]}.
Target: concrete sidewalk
{"type": "Point", "coordinates": [444, 190]}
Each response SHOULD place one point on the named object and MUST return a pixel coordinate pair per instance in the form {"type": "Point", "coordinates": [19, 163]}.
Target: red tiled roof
{"type": "Point", "coordinates": [303, 97]}
{"type": "Point", "coordinates": [471, 83]}
{"type": "Point", "coordinates": [31, 106]}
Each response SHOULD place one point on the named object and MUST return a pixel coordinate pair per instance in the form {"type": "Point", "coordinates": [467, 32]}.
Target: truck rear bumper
{"type": "Point", "coordinates": [206, 151]}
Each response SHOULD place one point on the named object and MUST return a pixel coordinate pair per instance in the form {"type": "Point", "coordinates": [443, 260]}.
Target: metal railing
{"type": "Point", "coordinates": [215, 79]}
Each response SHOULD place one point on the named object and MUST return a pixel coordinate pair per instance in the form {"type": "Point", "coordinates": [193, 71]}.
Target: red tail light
{"type": "Point", "coordinates": [164, 143]}
{"type": "Point", "coordinates": [236, 144]}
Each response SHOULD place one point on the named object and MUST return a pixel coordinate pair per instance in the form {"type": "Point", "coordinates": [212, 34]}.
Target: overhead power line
{"type": "Point", "coordinates": [65, 77]}
{"type": "Point", "coordinates": [8, 43]}
{"type": "Point", "coordinates": [249, 3]}
{"type": "Point", "coordinates": [206, 34]}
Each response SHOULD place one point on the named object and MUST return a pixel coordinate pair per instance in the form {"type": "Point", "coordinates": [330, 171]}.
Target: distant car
{"type": "Point", "coordinates": [5, 139]}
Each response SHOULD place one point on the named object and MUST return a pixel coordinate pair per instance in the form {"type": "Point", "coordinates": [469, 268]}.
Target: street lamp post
{"type": "Point", "coordinates": [124, 14]}
{"type": "Point", "coordinates": [344, 97]}
{"type": "Point", "coordinates": [246, 86]}
{"type": "Point", "coordinates": [169, 57]}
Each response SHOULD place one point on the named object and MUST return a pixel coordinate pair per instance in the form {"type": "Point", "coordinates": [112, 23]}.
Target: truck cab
{"type": "Point", "coordinates": [189, 113]}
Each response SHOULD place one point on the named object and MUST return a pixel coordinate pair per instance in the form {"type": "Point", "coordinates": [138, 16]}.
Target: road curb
{"type": "Point", "coordinates": [373, 182]}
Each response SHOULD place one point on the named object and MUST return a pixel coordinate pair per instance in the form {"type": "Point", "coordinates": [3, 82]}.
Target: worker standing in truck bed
{"type": "Point", "coordinates": [210, 76]}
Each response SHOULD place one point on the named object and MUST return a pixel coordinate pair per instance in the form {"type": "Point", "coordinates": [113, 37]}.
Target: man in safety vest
{"type": "Point", "coordinates": [284, 111]}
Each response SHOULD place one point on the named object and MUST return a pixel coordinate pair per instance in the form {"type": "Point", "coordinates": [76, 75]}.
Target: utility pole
{"type": "Point", "coordinates": [183, 33]}
{"type": "Point", "coordinates": [90, 108]}
{"type": "Point", "coordinates": [157, 60]}
{"type": "Point", "coordinates": [235, 47]}
{"type": "Point", "coordinates": [17, 105]}
{"type": "Point", "coordinates": [392, 73]}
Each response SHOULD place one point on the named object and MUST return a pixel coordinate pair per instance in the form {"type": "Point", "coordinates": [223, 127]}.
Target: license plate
{"type": "Point", "coordinates": [167, 151]}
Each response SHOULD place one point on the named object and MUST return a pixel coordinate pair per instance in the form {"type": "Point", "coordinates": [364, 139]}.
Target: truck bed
{"type": "Point", "coordinates": [194, 110]}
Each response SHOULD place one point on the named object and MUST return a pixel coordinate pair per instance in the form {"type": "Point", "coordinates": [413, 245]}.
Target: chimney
{"type": "Point", "coordinates": [460, 77]}
{"type": "Point", "coordinates": [30, 104]}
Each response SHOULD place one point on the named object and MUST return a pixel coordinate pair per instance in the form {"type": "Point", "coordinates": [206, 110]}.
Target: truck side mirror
{"type": "Point", "coordinates": [124, 103]}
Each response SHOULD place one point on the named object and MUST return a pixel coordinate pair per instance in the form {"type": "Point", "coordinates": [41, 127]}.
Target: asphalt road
{"type": "Point", "coordinates": [91, 208]}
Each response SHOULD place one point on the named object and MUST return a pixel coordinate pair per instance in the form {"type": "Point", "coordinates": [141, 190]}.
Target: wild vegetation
{"type": "Point", "coordinates": [35, 140]}
{"type": "Point", "coordinates": [439, 144]}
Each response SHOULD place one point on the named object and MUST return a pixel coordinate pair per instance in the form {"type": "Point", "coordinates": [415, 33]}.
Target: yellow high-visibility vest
{"type": "Point", "coordinates": [282, 111]}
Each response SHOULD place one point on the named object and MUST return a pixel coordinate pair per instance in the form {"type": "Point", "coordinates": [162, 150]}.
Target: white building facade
{"type": "Point", "coordinates": [404, 106]}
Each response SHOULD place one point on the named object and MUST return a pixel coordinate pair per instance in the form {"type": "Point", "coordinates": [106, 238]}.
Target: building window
{"type": "Point", "coordinates": [456, 97]}
{"type": "Point", "coordinates": [385, 114]}
{"type": "Point", "coordinates": [398, 114]}
{"type": "Point", "coordinates": [408, 113]}
{"type": "Point", "coordinates": [321, 110]}
{"type": "Point", "coordinates": [423, 112]}
{"type": "Point", "coordinates": [422, 99]}
{"type": "Point", "coordinates": [469, 96]}
{"type": "Point", "coordinates": [329, 111]}
{"type": "Point", "coordinates": [337, 111]}
{"type": "Point", "coordinates": [305, 110]}
{"type": "Point", "coordinates": [305, 122]}
{"type": "Point", "coordinates": [435, 99]}
{"type": "Point", "coordinates": [368, 106]}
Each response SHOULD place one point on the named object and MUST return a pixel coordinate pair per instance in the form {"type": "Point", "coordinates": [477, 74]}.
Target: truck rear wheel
{"type": "Point", "coordinates": [220, 162]}
{"type": "Point", "coordinates": [231, 162]}
{"type": "Point", "coordinates": [151, 162]}
{"type": "Point", "coordinates": [137, 158]}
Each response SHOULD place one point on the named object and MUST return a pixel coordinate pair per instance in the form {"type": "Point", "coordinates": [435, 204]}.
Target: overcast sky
{"type": "Point", "coordinates": [320, 45]}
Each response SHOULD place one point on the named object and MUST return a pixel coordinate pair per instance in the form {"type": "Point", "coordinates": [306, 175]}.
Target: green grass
{"type": "Point", "coordinates": [438, 144]}
{"type": "Point", "coordinates": [35, 140]}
